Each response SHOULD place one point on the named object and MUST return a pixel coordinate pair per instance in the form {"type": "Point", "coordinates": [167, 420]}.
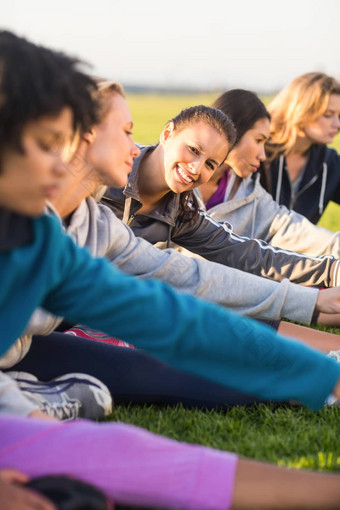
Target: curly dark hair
{"type": "Point", "coordinates": [36, 81]}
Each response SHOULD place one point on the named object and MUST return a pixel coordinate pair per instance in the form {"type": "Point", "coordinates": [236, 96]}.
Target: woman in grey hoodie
{"type": "Point", "coordinates": [246, 205]}
{"type": "Point", "coordinates": [234, 192]}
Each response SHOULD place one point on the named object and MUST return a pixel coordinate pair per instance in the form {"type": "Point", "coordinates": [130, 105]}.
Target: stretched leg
{"type": "Point", "coordinates": [320, 340]}
{"type": "Point", "coordinates": [263, 486]}
{"type": "Point", "coordinates": [131, 375]}
{"type": "Point", "coordinates": [135, 467]}
{"type": "Point", "coordinates": [332, 319]}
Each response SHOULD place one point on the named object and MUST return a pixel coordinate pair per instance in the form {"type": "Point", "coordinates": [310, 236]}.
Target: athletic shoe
{"type": "Point", "coordinates": [332, 400]}
{"type": "Point", "coordinates": [67, 397]}
{"type": "Point", "coordinates": [334, 355]}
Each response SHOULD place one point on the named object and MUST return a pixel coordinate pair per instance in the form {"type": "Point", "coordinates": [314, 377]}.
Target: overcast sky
{"type": "Point", "coordinates": [256, 44]}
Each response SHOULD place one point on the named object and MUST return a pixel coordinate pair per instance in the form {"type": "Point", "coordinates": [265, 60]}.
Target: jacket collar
{"type": "Point", "coordinates": [15, 230]}
{"type": "Point", "coordinates": [168, 210]}
{"type": "Point", "coordinates": [132, 189]}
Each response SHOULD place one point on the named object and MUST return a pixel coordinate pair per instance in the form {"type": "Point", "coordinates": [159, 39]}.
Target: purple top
{"type": "Point", "coordinates": [218, 196]}
{"type": "Point", "coordinates": [144, 469]}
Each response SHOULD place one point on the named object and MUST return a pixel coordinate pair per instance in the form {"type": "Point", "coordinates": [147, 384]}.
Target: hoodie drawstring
{"type": "Point", "coordinates": [279, 180]}
{"type": "Point", "coordinates": [127, 206]}
{"type": "Point", "coordinates": [253, 218]}
{"type": "Point", "coordinates": [323, 188]}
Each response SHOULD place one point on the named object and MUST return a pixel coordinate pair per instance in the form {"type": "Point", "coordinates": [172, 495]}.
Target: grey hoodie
{"type": "Point", "coordinates": [254, 213]}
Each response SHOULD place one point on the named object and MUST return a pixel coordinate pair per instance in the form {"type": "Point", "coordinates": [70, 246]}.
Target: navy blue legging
{"type": "Point", "coordinates": [132, 375]}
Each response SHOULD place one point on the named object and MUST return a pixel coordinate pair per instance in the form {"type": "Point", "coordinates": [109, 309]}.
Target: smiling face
{"type": "Point", "coordinates": [326, 127]}
{"type": "Point", "coordinates": [191, 155]}
{"type": "Point", "coordinates": [246, 156]}
{"type": "Point", "coordinates": [28, 179]}
{"type": "Point", "coordinates": [113, 150]}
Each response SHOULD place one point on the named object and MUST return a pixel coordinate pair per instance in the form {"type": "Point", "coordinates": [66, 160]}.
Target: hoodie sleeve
{"type": "Point", "coordinates": [243, 292]}
{"type": "Point", "coordinates": [188, 333]}
{"type": "Point", "coordinates": [218, 242]}
{"type": "Point", "coordinates": [292, 231]}
{"type": "Point", "coordinates": [279, 226]}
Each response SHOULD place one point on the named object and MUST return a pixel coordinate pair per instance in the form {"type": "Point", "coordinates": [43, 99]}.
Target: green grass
{"type": "Point", "coordinates": [282, 435]}
{"type": "Point", "coordinates": [285, 435]}
{"type": "Point", "coordinates": [151, 112]}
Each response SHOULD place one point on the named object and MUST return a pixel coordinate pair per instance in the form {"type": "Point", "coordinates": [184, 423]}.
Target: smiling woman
{"type": "Point", "coordinates": [159, 205]}
{"type": "Point", "coordinates": [192, 145]}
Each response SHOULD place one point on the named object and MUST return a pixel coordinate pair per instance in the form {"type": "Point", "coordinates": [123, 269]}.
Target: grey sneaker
{"type": "Point", "coordinates": [67, 397]}
{"type": "Point", "coordinates": [334, 355]}
{"type": "Point", "coordinates": [332, 400]}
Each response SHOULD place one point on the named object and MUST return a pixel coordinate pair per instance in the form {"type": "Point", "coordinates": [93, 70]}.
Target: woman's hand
{"type": "Point", "coordinates": [13, 476]}
{"type": "Point", "coordinates": [13, 497]}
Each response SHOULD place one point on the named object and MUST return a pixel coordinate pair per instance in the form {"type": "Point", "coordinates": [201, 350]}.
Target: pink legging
{"type": "Point", "coordinates": [131, 465]}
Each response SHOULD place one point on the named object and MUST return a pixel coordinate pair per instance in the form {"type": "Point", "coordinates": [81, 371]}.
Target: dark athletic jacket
{"type": "Point", "coordinates": [319, 185]}
{"type": "Point", "coordinates": [216, 241]}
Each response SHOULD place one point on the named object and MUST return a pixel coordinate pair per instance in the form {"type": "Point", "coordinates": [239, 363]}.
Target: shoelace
{"type": "Point", "coordinates": [64, 411]}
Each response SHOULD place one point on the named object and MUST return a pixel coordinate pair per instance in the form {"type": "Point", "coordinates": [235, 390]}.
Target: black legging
{"type": "Point", "coordinates": [132, 375]}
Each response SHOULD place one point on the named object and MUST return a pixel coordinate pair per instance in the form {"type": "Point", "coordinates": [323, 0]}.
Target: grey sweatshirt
{"type": "Point", "coordinates": [254, 213]}
{"type": "Point", "coordinates": [96, 227]}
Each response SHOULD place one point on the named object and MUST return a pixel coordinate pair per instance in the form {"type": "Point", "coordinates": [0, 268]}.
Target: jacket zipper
{"type": "Point", "coordinates": [130, 219]}
{"type": "Point", "coordinates": [302, 190]}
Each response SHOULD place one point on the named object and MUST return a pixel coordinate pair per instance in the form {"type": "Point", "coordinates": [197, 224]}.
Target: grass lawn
{"type": "Point", "coordinates": [283, 435]}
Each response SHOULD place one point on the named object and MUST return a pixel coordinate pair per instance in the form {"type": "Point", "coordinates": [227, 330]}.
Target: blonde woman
{"type": "Point", "coordinates": [303, 173]}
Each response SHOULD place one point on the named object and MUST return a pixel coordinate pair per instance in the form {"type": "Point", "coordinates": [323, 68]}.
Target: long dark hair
{"type": "Point", "coordinates": [244, 109]}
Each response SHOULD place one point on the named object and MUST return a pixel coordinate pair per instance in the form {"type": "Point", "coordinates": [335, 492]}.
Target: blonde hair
{"type": "Point", "coordinates": [105, 90]}
{"type": "Point", "coordinates": [302, 101]}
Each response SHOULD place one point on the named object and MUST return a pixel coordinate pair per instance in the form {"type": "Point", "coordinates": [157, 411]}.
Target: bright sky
{"type": "Point", "coordinates": [255, 44]}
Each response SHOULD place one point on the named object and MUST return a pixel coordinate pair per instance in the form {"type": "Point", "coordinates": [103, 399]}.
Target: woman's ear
{"type": "Point", "coordinates": [166, 133]}
{"type": "Point", "coordinates": [89, 136]}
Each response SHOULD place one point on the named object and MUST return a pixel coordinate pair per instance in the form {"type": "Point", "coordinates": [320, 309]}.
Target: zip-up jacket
{"type": "Point", "coordinates": [320, 183]}
{"type": "Point", "coordinates": [45, 268]}
{"type": "Point", "coordinates": [254, 213]}
{"type": "Point", "coordinates": [217, 241]}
